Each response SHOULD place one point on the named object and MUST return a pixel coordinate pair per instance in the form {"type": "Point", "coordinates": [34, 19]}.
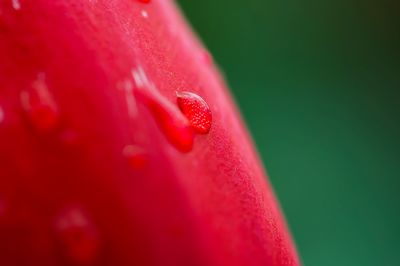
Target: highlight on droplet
{"type": "Point", "coordinates": [196, 110]}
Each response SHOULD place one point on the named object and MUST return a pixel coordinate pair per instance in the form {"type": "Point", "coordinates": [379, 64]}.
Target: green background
{"type": "Point", "coordinates": [318, 84]}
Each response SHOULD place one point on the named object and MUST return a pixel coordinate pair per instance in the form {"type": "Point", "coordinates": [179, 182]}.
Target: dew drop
{"type": "Point", "coordinates": [173, 124]}
{"type": "Point", "coordinates": [39, 104]}
{"type": "Point", "coordinates": [77, 238]}
{"type": "Point", "coordinates": [196, 111]}
{"type": "Point", "coordinates": [136, 156]}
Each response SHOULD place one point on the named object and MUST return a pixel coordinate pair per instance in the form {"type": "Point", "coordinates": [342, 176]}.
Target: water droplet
{"type": "Point", "coordinates": [16, 4]}
{"type": "Point", "coordinates": [77, 238]}
{"type": "Point", "coordinates": [172, 123]}
{"type": "Point", "coordinates": [136, 156]}
{"type": "Point", "coordinates": [144, 14]}
{"type": "Point", "coordinates": [40, 106]}
{"type": "Point", "coordinates": [170, 120]}
{"type": "Point", "coordinates": [196, 110]}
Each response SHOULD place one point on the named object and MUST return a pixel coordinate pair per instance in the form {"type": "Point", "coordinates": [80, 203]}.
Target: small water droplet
{"type": "Point", "coordinates": [196, 110]}
{"type": "Point", "coordinates": [136, 156]}
{"type": "Point", "coordinates": [16, 4]}
{"type": "Point", "coordinates": [40, 106]}
{"type": "Point", "coordinates": [77, 238]}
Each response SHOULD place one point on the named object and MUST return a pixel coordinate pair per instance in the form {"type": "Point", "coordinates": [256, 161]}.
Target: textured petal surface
{"type": "Point", "coordinates": [108, 72]}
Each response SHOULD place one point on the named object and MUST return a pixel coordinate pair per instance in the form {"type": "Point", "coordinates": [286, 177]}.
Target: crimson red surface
{"type": "Point", "coordinates": [69, 196]}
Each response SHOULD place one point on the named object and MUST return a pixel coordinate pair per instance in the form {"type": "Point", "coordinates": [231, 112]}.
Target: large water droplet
{"type": "Point", "coordinates": [40, 105]}
{"type": "Point", "coordinates": [196, 110]}
{"type": "Point", "coordinates": [77, 238]}
{"type": "Point", "coordinates": [172, 123]}
{"type": "Point", "coordinates": [170, 120]}
{"type": "Point", "coordinates": [135, 155]}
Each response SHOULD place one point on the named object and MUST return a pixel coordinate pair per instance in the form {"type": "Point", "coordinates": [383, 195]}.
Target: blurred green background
{"type": "Point", "coordinates": [318, 83]}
